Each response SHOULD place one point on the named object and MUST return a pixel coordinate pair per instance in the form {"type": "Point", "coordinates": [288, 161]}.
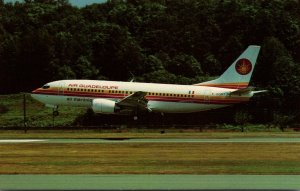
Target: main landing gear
{"type": "Point", "coordinates": [135, 114]}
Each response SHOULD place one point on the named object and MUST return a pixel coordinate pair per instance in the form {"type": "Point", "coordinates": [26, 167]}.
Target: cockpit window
{"type": "Point", "coordinates": [46, 86]}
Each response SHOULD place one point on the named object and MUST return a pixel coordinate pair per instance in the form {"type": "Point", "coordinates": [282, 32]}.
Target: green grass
{"type": "Point", "coordinates": [250, 128]}
{"type": "Point", "coordinates": [151, 158]}
{"type": "Point", "coordinates": [37, 114]}
{"type": "Point", "coordinates": [148, 158]}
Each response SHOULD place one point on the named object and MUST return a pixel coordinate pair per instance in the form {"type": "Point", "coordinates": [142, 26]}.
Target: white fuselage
{"type": "Point", "coordinates": [113, 97]}
{"type": "Point", "coordinates": [165, 98]}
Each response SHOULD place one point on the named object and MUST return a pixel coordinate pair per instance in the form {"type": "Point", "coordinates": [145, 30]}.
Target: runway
{"type": "Point", "coordinates": [149, 140]}
{"type": "Point", "coordinates": [148, 182]}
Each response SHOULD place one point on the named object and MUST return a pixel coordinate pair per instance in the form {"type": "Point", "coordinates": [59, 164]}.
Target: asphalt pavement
{"type": "Point", "coordinates": [148, 182]}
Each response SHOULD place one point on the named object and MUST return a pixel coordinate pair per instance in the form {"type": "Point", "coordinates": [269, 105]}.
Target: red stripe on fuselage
{"type": "Point", "coordinates": [150, 98]}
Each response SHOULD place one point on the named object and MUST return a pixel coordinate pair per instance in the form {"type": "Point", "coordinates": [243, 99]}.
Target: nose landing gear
{"type": "Point", "coordinates": [55, 113]}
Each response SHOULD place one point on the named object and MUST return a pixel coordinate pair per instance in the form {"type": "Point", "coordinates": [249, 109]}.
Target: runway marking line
{"type": "Point", "coordinates": [21, 140]}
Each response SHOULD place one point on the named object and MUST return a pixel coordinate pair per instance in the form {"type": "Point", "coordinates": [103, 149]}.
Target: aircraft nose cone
{"type": "Point", "coordinates": [34, 94]}
{"type": "Point", "coordinates": [35, 91]}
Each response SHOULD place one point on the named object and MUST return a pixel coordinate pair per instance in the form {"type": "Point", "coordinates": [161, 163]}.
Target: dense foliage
{"type": "Point", "coordinates": [167, 41]}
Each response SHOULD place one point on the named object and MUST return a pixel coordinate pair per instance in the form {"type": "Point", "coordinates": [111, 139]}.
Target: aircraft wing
{"type": "Point", "coordinates": [135, 100]}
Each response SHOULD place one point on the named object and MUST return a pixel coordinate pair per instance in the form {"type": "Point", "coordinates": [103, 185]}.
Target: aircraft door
{"type": "Point", "coordinates": [61, 88]}
{"type": "Point", "coordinates": [206, 96]}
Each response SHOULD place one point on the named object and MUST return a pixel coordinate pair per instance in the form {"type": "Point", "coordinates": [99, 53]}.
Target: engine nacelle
{"type": "Point", "coordinates": [104, 106]}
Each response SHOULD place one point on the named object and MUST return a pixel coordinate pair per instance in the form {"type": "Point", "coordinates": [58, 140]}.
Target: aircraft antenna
{"type": "Point", "coordinates": [132, 77]}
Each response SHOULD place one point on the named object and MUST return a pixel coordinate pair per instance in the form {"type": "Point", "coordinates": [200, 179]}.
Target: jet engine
{"type": "Point", "coordinates": [104, 106]}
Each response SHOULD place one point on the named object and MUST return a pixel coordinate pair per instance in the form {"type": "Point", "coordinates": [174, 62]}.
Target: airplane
{"type": "Point", "coordinates": [130, 98]}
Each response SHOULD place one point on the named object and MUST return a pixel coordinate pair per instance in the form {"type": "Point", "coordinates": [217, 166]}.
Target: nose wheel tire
{"type": "Point", "coordinates": [55, 113]}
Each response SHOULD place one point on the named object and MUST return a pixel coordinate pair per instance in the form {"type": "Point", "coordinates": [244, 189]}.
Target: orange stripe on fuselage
{"type": "Point", "coordinates": [238, 85]}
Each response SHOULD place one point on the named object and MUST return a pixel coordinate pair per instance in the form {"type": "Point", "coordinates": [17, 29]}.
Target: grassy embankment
{"type": "Point", "coordinates": [11, 113]}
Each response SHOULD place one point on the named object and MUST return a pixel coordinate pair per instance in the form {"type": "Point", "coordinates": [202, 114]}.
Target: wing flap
{"type": "Point", "coordinates": [135, 100]}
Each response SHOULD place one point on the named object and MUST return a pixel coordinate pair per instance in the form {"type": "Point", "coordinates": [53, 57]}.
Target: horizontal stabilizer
{"type": "Point", "coordinates": [260, 91]}
{"type": "Point", "coordinates": [242, 91]}
{"type": "Point", "coordinates": [246, 91]}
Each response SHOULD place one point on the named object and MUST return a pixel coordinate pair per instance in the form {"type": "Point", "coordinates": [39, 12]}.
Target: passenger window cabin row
{"type": "Point", "coordinates": [128, 92]}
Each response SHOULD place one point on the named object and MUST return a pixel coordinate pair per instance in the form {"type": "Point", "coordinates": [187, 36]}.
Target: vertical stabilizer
{"type": "Point", "coordinates": [238, 75]}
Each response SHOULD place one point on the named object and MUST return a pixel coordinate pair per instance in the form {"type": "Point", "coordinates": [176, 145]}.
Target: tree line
{"type": "Point", "coordinates": [164, 41]}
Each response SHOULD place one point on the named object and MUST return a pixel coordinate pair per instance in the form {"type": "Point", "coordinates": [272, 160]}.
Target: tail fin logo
{"type": "Point", "coordinates": [243, 66]}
